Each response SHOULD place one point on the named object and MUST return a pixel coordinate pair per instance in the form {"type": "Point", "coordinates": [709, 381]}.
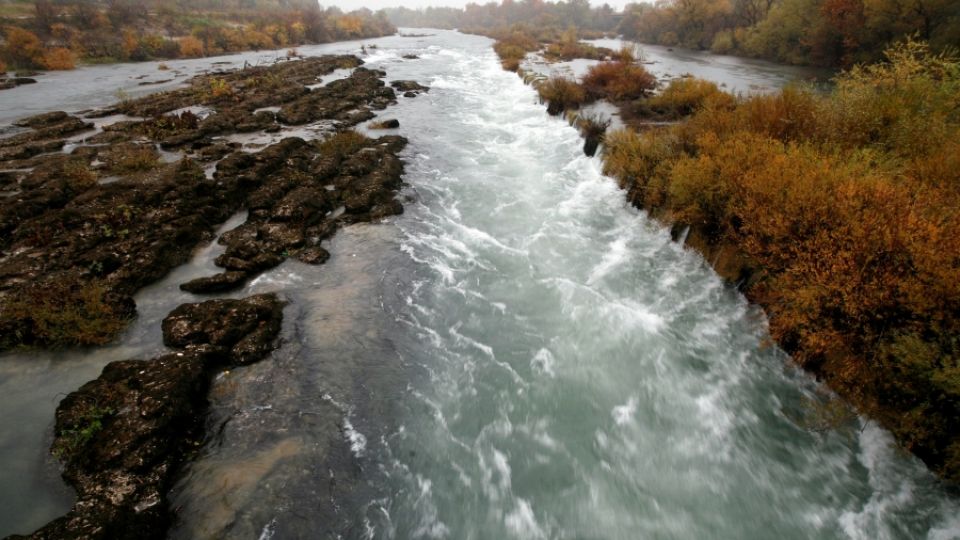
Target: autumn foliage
{"type": "Point", "coordinates": [190, 47]}
{"type": "Point", "coordinates": [844, 213]}
{"type": "Point", "coordinates": [58, 58]}
{"type": "Point", "coordinates": [59, 33]}
{"type": "Point", "coordinates": [561, 93]}
{"type": "Point", "coordinates": [512, 46]}
{"type": "Point", "coordinates": [619, 80]}
{"type": "Point", "coordinates": [820, 32]}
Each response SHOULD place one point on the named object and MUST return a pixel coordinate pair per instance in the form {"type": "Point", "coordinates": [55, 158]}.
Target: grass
{"type": "Point", "coordinates": [69, 442]}
{"type": "Point", "coordinates": [61, 312]}
{"type": "Point", "coordinates": [78, 175]}
{"type": "Point", "coordinates": [132, 158]}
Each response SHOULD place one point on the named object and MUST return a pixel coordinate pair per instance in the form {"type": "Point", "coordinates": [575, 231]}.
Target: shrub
{"type": "Point", "coordinates": [619, 81]}
{"type": "Point", "coordinates": [684, 96]}
{"type": "Point", "coordinates": [561, 93]}
{"type": "Point", "coordinates": [593, 128]}
{"type": "Point", "coordinates": [513, 47]}
{"type": "Point", "coordinates": [343, 144]}
{"type": "Point", "coordinates": [569, 47]}
{"type": "Point", "coordinates": [191, 47]}
{"type": "Point", "coordinates": [3, 67]}
{"type": "Point", "coordinates": [220, 88]}
{"type": "Point", "coordinates": [58, 58]}
{"type": "Point", "coordinates": [907, 104]}
{"type": "Point", "coordinates": [635, 159]}
{"type": "Point", "coordinates": [23, 48]}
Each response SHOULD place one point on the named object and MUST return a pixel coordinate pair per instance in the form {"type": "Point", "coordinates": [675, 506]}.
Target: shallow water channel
{"type": "Point", "coordinates": [520, 355]}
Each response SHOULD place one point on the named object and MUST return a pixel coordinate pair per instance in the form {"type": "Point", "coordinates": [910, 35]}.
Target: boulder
{"type": "Point", "coordinates": [222, 282]}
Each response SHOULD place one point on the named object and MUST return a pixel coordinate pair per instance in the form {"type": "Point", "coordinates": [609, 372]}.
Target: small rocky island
{"type": "Point", "coordinates": [96, 205]}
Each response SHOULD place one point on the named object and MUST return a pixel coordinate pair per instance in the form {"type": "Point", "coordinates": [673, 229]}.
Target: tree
{"type": "Point", "coordinates": [23, 47]}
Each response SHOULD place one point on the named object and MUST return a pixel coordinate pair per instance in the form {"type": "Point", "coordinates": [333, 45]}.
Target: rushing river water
{"type": "Point", "coordinates": [520, 355]}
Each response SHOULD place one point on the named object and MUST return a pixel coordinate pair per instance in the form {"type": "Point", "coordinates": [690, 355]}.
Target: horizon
{"type": "Point", "coordinates": [376, 5]}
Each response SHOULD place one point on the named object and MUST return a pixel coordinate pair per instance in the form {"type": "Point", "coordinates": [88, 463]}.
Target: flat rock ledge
{"type": "Point", "coordinates": [123, 437]}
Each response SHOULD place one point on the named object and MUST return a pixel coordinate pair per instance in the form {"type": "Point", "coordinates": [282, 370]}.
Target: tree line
{"type": "Point", "coordinates": [48, 35]}
{"type": "Point", "coordinates": [832, 33]}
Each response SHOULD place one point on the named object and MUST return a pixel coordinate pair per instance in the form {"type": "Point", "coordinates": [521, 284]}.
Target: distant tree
{"type": "Point", "coordinates": [45, 15]}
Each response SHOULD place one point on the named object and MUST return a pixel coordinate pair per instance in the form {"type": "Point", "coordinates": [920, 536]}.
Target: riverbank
{"type": "Point", "coordinates": [862, 303]}
{"type": "Point", "coordinates": [56, 36]}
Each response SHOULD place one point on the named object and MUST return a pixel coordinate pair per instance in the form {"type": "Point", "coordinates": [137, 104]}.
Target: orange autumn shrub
{"type": "Point", "coordinates": [619, 81]}
{"type": "Point", "coordinates": [58, 58]}
{"type": "Point", "coordinates": [191, 47]}
{"type": "Point", "coordinates": [23, 48]}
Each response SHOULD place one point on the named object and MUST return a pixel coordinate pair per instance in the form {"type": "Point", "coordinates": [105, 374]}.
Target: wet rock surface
{"type": "Point", "coordinates": [123, 437]}
{"type": "Point", "coordinates": [98, 209]}
{"type": "Point", "coordinates": [409, 88]}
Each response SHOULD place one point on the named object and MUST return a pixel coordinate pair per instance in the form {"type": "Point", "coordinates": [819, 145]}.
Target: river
{"type": "Point", "coordinates": [520, 355]}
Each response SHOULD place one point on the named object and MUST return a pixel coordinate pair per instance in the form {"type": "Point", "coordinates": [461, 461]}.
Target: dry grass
{"type": "Point", "coordinates": [343, 144]}
{"type": "Point", "coordinates": [66, 312]}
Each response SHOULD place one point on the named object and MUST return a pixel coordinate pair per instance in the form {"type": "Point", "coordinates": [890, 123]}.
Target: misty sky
{"type": "Point", "coordinates": [348, 5]}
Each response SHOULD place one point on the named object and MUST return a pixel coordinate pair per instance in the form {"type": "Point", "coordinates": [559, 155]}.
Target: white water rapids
{"type": "Point", "coordinates": [579, 375]}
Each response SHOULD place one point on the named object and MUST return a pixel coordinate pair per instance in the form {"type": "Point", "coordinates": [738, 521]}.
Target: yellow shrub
{"type": "Point", "coordinates": [637, 160]}
{"type": "Point", "coordinates": [191, 47]}
{"type": "Point", "coordinates": [684, 96]}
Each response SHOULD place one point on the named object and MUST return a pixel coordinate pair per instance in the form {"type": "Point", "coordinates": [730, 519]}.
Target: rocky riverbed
{"type": "Point", "coordinates": [123, 437]}
{"type": "Point", "coordinates": [97, 204]}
